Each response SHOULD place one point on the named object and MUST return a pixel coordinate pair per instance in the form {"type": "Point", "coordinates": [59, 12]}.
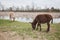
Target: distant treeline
{"type": "Point", "coordinates": [32, 10]}
{"type": "Point", "coordinates": [42, 10]}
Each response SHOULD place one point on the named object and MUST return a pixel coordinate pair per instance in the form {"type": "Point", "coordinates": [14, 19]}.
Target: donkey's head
{"type": "Point", "coordinates": [33, 25]}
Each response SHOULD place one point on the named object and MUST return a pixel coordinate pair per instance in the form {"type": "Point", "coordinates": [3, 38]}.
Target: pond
{"type": "Point", "coordinates": [24, 19]}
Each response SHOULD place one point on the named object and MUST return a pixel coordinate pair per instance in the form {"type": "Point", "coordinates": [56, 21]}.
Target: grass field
{"type": "Point", "coordinates": [25, 30]}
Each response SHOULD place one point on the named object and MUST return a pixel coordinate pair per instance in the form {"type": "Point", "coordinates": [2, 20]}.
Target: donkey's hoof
{"type": "Point", "coordinates": [36, 28]}
{"type": "Point", "coordinates": [40, 29]}
{"type": "Point", "coordinates": [47, 31]}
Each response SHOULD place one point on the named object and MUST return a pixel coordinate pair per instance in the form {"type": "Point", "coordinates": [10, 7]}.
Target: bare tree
{"type": "Point", "coordinates": [27, 7]}
{"type": "Point", "coordinates": [22, 8]}
{"type": "Point", "coordinates": [32, 6]}
{"type": "Point", "coordinates": [17, 9]}
{"type": "Point", "coordinates": [1, 6]}
{"type": "Point", "coordinates": [10, 8]}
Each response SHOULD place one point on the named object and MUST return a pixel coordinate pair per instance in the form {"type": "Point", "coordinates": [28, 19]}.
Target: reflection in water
{"type": "Point", "coordinates": [56, 20]}
{"type": "Point", "coordinates": [24, 19]}
{"type": "Point", "coordinates": [4, 17]}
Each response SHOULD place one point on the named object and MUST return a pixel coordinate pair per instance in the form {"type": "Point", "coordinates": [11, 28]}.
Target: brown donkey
{"type": "Point", "coordinates": [41, 19]}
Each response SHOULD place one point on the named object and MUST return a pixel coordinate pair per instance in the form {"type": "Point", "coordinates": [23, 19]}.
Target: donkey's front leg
{"type": "Point", "coordinates": [37, 26]}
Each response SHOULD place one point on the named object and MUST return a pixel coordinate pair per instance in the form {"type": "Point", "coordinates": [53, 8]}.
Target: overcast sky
{"type": "Point", "coordinates": [37, 3]}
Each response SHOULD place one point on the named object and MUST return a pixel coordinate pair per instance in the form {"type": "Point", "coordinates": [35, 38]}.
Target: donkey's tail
{"type": "Point", "coordinates": [52, 21]}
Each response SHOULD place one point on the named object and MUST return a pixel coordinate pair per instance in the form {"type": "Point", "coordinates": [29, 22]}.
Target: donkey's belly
{"type": "Point", "coordinates": [43, 21]}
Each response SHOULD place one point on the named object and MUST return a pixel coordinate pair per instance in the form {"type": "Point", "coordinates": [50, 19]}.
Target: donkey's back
{"type": "Point", "coordinates": [44, 18]}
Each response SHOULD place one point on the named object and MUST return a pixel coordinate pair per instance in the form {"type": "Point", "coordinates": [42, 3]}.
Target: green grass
{"type": "Point", "coordinates": [25, 29]}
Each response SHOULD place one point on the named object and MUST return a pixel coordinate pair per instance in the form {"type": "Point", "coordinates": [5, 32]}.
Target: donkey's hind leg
{"type": "Point", "coordinates": [40, 27]}
{"type": "Point", "coordinates": [48, 29]}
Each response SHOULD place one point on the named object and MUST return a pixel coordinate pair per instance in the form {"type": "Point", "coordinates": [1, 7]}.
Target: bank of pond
{"type": "Point", "coordinates": [26, 19]}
